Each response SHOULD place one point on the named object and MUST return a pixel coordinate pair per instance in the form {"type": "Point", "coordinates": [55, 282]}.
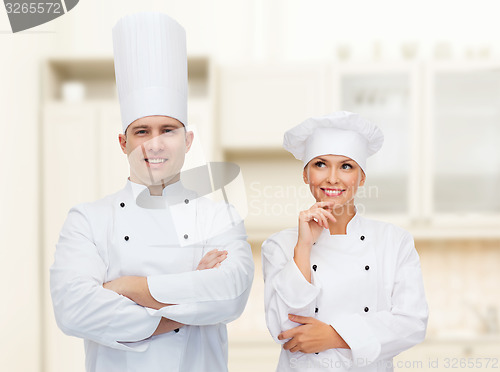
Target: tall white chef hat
{"type": "Point", "coordinates": [150, 67]}
{"type": "Point", "coordinates": [341, 133]}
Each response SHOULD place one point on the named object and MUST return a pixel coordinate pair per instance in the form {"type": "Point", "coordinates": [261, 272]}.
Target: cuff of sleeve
{"type": "Point", "coordinates": [293, 288]}
{"type": "Point", "coordinates": [141, 332]}
{"type": "Point", "coordinates": [139, 346]}
{"type": "Point", "coordinates": [365, 347]}
{"type": "Point", "coordinates": [185, 313]}
{"type": "Point", "coordinates": [162, 289]}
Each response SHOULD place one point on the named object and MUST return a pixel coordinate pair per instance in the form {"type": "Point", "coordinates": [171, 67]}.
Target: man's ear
{"type": "Point", "coordinates": [189, 140]}
{"type": "Point", "coordinates": [122, 138]}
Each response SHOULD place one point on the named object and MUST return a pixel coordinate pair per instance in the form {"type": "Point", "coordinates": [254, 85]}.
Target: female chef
{"type": "Point", "coordinates": [342, 292]}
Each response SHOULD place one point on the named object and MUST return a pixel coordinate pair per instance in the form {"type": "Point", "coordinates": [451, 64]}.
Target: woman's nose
{"type": "Point", "coordinates": [332, 176]}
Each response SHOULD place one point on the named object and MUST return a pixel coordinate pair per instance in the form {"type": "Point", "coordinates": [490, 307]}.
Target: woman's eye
{"type": "Point", "coordinates": [346, 166]}
{"type": "Point", "coordinates": [320, 164]}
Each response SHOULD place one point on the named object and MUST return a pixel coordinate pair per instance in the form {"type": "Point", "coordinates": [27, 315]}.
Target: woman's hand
{"type": "Point", "coordinates": [312, 336]}
{"type": "Point", "coordinates": [212, 259]}
{"type": "Point", "coordinates": [313, 221]}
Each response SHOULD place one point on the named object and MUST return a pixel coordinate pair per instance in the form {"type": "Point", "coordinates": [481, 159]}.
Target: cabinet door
{"type": "Point", "coordinates": [389, 98]}
{"type": "Point", "coordinates": [112, 164]}
{"type": "Point", "coordinates": [258, 104]}
{"type": "Point", "coordinates": [69, 177]}
{"type": "Point", "coordinates": [465, 133]}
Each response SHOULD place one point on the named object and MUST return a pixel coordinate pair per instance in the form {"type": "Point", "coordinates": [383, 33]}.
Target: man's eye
{"type": "Point", "coordinates": [141, 132]}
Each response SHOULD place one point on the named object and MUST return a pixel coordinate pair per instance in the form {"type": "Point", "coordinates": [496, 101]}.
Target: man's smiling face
{"type": "Point", "coordinates": [156, 147]}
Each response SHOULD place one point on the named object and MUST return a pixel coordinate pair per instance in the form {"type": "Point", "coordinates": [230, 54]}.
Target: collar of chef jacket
{"type": "Point", "coordinates": [181, 202]}
{"type": "Point", "coordinates": [354, 231]}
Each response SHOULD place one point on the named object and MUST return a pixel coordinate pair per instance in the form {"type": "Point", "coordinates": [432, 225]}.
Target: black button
{"type": "Point", "coordinates": [126, 238]}
{"type": "Point", "coordinates": [366, 309]}
{"type": "Point", "coordinates": [186, 236]}
{"type": "Point", "coordinates": [122, 204]}
{"type": "Point", "coordinates": [186, 201]}
{"type": "Point", "coordinates": [367, 267]}
{"type": "Point", "coordinates": [314, 243]}
{"type": "Point", "coordinates": [176, 330]}
{"type": "Point", "coordinates": [362, 237]}
{"type": "Point", "coordinates": [316, 353]}
{"type": "Point", "coordinates": [316, 310]}
{"type": "Point", "coordinates": [315, 267]}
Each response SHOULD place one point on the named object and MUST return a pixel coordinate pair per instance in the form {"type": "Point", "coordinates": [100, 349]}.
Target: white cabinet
{"type": "Point", "coordinates": [463, 128]}
{"type": "Point", "coordinates": [389, 96]}
{"type": "Point", "coordinates": [437, 174]}
{"type": "Point", "coordinates": [112, 165]}
{"type": "Point", "coordinates": [69, 173]}
{"type": "Point", "coordinates": [256, 104]}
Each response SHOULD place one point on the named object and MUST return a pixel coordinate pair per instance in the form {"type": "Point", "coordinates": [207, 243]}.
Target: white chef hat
{"type": "Point", "coordinates": [341, 133]}
{"type": "Point", "coordinates": [150, 67]}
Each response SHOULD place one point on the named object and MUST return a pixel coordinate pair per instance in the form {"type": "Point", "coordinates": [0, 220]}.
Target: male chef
{"type": "Point", "coordinates": [149, 276]}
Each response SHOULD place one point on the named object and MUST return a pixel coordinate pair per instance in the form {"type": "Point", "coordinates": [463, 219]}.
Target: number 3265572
{"type": "Point", "coordinates": [33, 8]}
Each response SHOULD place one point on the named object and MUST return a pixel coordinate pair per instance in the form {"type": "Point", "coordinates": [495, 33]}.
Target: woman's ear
{"type": "Point", "coordinates": [304, 176]}
{"type": "Point", "coordinates": [363, 178]}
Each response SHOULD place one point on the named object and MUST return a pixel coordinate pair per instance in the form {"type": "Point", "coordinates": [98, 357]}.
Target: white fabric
{"type": "Point", "coordinates": [92, 250]}
{"type": "Point", "coordinates": [341, 133]}
{"type": "Point", "coordinates": [150, 67]}
{"type": "Point", "coordinates": [391, 289]}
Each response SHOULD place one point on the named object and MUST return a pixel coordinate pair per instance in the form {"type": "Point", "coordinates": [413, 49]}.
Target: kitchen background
{"type": "Point", "coordinates": [427, 72]}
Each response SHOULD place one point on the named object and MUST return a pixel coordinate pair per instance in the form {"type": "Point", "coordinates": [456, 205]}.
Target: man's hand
{"type": "Point", "coordinates": [312, 336]}
{"type": "Point", "coordinates": [212, 259]}
{"type": "Point", "coordinates": [121, 285]}
{"type": "Point", "coordinates": [135, 288]}
{"type": "Point", "coordinates": [167, 325]}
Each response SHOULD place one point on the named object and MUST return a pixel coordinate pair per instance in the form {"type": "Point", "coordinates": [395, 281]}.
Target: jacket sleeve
{"type": "Point", "coordinates": [82, 307]}
{"type": "Point", "coordinates": [286, 291]}
{"type": "Point", "coordinates": [384, 334]}
{"type": "Point", "coordinates": [204, 297]}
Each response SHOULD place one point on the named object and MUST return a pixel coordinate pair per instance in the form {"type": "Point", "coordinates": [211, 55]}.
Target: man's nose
{"type": "Point", "coordinates": [155, 144]}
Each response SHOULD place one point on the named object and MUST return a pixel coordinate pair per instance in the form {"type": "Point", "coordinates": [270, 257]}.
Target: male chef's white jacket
{"type": "Point", "coordinates": [366, 284]}
{"type": "Point", "coordinates": [162, 238]}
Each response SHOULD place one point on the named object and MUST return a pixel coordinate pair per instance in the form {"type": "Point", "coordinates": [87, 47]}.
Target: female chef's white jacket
{"type": "Point", "coordinates": [366, 284]}
{"type": "Point", "coordinates": [163, 238]}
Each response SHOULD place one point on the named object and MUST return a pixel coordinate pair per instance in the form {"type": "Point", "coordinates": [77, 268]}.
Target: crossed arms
{"type": "Point", "coordinates": [123, 312]}
{"type": "Point", "coordinates": [136, 289]}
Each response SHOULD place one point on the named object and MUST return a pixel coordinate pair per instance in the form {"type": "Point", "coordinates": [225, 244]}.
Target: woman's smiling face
{"type": "Point", "coordinates": [334, 178]}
